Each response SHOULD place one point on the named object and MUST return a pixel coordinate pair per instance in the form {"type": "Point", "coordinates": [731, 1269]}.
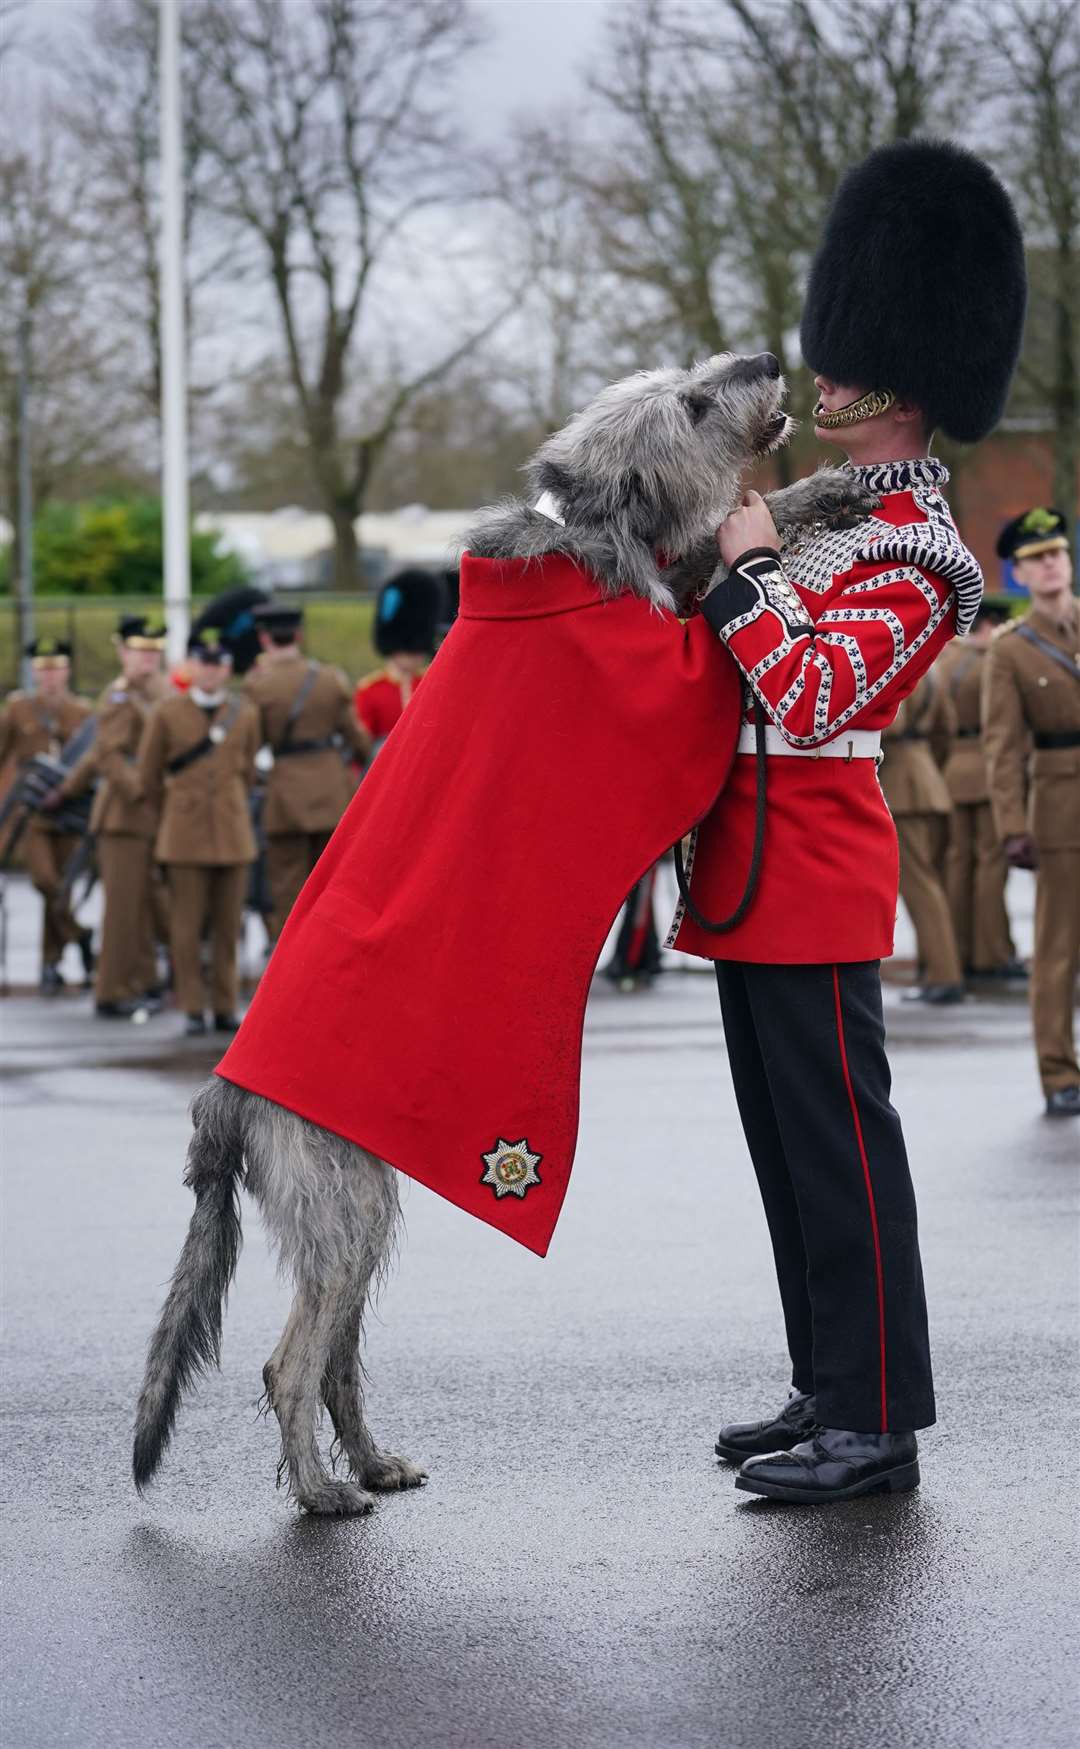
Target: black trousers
{"type": "Point", "coordinates": [807, 1051]}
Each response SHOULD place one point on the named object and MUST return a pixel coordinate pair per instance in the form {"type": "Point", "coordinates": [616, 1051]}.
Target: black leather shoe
{"type": "Point", "coordinates": [1012, 972]}
{"type": "Point", "coordinates": [835, 1465]}
{"type": "Point", "coordinates": [1065, 1102]}
{"type": "Point", "coordinates": [744, 1439]}
{"type": "Point", "coordinates": [51, 981]}
{"type": "Point", "coordinates": [122, 1010]}
{"type": "Point", "coordinates": [226, 1023]}
{"type": "Point", "coordinates": [194, 1025]}
{"type": "Point", "coordinates": [935, 995]}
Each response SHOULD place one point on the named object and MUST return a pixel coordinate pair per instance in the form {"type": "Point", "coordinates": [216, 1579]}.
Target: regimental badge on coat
{"type": "Point", "coordinates": [510, 1168]}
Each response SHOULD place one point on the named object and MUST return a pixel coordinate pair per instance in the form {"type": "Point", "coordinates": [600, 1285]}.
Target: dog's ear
{"type": "Point", "coordinates": [697, 402]}
{"type": "Point", "coordinates": [547, 476]}
{"type": "Point", "coordinates": [631, 506]}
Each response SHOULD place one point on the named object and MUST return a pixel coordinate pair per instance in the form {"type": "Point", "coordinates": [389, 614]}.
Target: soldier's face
{"type": "Point", "coordinates": [52, 681]}
{"type": "Point", "coordinates": [898, 431]}
{"type": "Point", "coordinates": [140, 664]}
{"type": "Point", "coordinates": [1048, 573]}
{"type": "Point", "coordinates": [210, 676]}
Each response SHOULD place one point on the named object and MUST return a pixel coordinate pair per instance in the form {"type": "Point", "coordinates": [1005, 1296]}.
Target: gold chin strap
{"type": "Point", "coordinates": [868, 406]}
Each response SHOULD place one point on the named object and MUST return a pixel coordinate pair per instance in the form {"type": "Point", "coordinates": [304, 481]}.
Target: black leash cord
{"type": "Point", "coordinates": [750, 889]}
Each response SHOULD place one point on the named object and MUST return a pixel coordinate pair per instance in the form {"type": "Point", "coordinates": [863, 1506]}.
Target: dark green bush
{"type": "Point", "coordinates": [114, 547]}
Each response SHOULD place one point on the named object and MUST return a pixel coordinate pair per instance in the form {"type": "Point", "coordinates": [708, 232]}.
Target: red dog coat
{"type": "Point", "coordinates": [427, 996]}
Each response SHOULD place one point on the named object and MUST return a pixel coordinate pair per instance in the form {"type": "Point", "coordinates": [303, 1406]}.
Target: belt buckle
{"type": "Point", "coordinates": [850, 752]}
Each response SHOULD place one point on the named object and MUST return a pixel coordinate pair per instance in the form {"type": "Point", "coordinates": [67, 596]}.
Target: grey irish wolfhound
{"type": "Point", "coordinates": [650, 466]}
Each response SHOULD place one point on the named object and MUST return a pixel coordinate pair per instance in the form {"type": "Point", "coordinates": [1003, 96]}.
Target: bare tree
{"type": "Point", "coordinates": [323, 126]}
{"type": "Point", "coordinates": [111, 111]}
{"type": "Point", "coordinates": [846, 75]}
{"type": "Point", "coordinates": [46, 296]}
{"type": "Point", "coordinates": [658, 206]}
{"type": "Point", "coordinates": [1034, 75]}
{"type": "Point", "coordinates": [12, 13]}
{"type": "Point", "coordinates": [733, 128]}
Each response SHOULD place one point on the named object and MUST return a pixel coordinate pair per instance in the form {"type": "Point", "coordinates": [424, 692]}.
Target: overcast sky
{"type": "Point", "coordinates": [534, 57]}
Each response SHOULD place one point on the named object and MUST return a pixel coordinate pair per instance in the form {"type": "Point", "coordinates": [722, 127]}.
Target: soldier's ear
{"type": "Point", "coordinates": [906, 413]}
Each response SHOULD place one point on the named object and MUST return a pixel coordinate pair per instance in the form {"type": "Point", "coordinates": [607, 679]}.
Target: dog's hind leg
{"type": "Point", "coordinates": [342, 1392]}
{"type": "Point", "coordinates": [331, 1209]}
{"type": "Point", "coordinates": [292, 1376]}
{"type": "Point", "coordinates": [370, 1188]}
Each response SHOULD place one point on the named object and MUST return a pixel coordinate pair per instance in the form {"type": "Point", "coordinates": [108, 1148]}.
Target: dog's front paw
{"type": "Point", "coordinates": [336, 1500]}
{"type": "Point", "coordinates": [855, 504]}
{"type": "Point", "coordinates": [832, 496]}
{"type": "Point", "coordinates": [840, 499]}
{"type": "Point", "coordinates": [385, 1472]}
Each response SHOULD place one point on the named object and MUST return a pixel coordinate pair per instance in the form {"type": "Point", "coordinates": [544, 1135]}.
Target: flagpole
{"type": "Point", "coordinates": [173, 343]}
{"type": "Point", "coordinates": [25, 509]}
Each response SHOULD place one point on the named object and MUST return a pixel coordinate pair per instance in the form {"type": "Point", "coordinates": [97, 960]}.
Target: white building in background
{"type": "Point", "coordinates": [293, 549]}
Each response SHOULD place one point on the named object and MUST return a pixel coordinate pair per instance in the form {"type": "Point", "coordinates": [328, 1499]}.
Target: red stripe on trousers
{"type": "Point", "coordinates": [869, 1194]}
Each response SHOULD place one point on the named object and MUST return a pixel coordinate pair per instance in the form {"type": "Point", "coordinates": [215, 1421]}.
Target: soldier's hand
{"type": "Point", "coordinates": [1021, 851]}
{"type": "Point", "coordinates": [51, 800]}
{"type": "Point", "coordinates": [749, 526]}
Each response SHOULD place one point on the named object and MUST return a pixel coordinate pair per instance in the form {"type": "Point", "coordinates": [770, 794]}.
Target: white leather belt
{"type": "Point", "coordinates": [856, 744]}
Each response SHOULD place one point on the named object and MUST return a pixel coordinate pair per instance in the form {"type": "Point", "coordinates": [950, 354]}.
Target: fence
{"type": "Point", "coordinates": [337, 628]}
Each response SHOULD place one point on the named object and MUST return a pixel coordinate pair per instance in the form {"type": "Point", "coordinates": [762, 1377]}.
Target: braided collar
{"type": "Point", "coordinates": [886, 477]}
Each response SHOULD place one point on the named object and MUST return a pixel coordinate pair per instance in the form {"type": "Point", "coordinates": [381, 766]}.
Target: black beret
{"type": "Point", "coordinates": [135, 630]}
{"type": "Point", "coordinates": [274, 616]}
{"type": "Point", "coordinates": [208, 645]}
{"type": "Point", "coordinates": [49, 650]}
{"type": "Point", "coordinates": [1035, 531]}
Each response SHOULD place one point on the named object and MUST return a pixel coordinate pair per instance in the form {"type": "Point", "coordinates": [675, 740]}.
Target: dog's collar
{"type": "Point", "coordinates": [548, 505]}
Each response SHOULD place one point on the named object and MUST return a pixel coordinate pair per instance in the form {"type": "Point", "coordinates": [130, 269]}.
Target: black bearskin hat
{"type": "Point", "coordinates": [232, 614]}
{"type": "Point", "coordinates": [919, 285]}
{"type": "Point", "coordinates": [408, 612]}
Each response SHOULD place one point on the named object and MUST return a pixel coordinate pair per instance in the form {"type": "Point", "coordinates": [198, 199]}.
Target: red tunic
{"type": "Point", "coordinates": [380, 699]}
{"type": "Point", "coordinates": [427, 996]}
{"type": "Point", "coordinates": [871, 610]}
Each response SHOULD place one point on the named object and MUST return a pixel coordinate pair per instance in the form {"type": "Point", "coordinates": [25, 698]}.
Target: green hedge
{"type": "Point", "coordinates": [114, 547]}
{"type": "Point", "coordinates": [337, 631]}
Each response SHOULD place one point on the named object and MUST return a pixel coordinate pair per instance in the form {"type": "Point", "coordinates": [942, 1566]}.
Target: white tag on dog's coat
{"type": "Point", "coordinates": [548, 505]}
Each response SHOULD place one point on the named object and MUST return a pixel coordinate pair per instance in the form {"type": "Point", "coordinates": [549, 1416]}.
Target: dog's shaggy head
{"type": "Point", "coordinates": [649, 467]}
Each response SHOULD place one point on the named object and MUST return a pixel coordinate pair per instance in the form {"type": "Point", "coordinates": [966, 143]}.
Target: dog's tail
{"type": "Point", "coordinates": [188, 1336]}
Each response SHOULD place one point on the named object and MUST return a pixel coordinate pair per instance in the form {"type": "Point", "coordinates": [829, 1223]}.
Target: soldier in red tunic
{"type": "Point", "coordinates": [913, 321]}
{"type": "Point", "coordinates": [407, 615]}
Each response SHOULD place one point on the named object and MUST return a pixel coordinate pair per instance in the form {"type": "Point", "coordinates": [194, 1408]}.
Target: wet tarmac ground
{"type": "Point", "coordinates": [579, 1570]}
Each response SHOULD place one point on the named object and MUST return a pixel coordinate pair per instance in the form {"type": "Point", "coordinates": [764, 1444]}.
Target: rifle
{"type": "Point", "coordinates": [37, 779]}
{"type": "Point", "coordinates": [84, 862]}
